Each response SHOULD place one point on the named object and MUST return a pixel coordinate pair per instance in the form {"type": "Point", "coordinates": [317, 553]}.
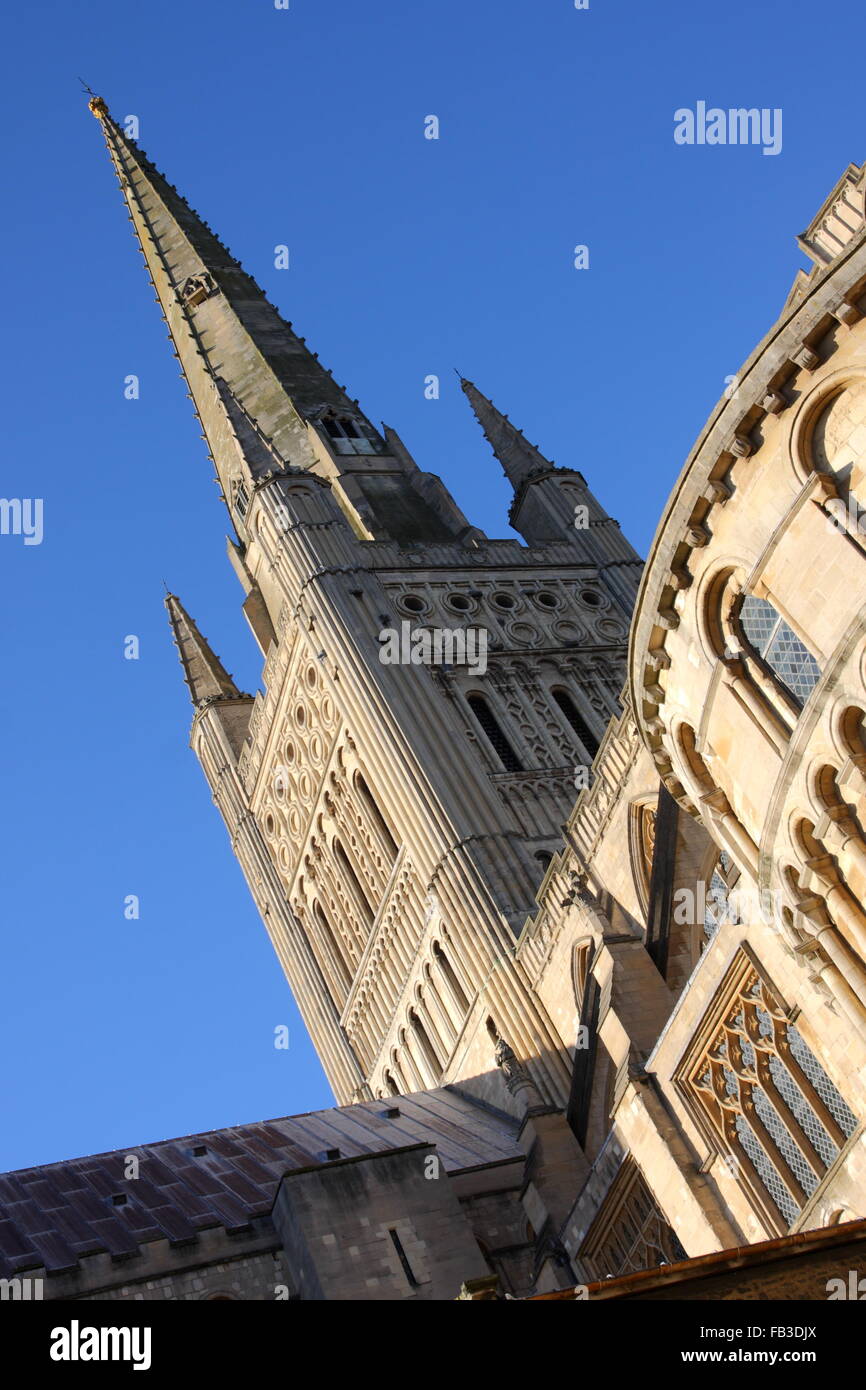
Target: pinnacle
{"type": "Point", "coordinates": [204, 673]}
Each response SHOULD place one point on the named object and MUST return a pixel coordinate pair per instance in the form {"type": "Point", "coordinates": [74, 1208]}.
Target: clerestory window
{"type": "Point", "coordinates": [776, 643]}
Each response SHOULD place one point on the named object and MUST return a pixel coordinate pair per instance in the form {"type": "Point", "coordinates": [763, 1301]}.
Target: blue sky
{"type": "Point", "coordinates": [408, 257]}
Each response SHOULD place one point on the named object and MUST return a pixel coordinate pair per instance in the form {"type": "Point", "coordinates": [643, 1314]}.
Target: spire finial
{"type": "Point", "coordinates": [96, 104]}
{"type": "Point", "coordinates": [518, 457]}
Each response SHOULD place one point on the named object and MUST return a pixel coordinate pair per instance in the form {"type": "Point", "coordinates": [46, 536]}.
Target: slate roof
{"type": "Point", "coordinates": [59, 1213]}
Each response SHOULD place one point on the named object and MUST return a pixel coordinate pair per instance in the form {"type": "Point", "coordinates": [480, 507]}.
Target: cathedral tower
{"type": "Point", "coordinates": [393, 805]}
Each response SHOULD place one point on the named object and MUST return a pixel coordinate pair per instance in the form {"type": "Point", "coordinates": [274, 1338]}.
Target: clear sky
{"type": "Point", "coordinates": [409, 256]}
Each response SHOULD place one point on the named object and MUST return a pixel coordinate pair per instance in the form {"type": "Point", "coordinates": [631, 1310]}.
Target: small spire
{"type": "Point", "coordinates": [518, 457]}
{"type": "Point", "coordinates": [204, 673]}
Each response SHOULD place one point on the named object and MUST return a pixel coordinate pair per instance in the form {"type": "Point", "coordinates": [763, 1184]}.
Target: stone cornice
{"type": "Point", "coordinates": [786, 351]}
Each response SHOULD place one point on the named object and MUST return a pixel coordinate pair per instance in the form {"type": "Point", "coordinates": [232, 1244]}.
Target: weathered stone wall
{"type": "Point", "coordinates": [381, 1228]}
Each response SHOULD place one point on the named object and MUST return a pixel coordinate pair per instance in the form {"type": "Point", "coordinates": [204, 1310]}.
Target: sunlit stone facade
{"type": "Point", "coordinates": [634, 1044]}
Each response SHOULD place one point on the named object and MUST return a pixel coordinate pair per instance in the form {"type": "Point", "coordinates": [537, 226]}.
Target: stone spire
{"type": "Point", "coordinates": [552, 503]}
{"type": "Point", "coordinates": [520, 460]}
{"type": "Point", "coordinates": [265, 402]}
{"type": "Point", "coordinates": [204, 673]}
{"type": "Point", "coordinates": [216, 312]}
{"type": "Point", "coordinates": [523, 463]}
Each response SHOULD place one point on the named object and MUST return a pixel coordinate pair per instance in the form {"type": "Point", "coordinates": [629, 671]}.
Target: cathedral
{"type": "Point", "coordinates": [577, 926]}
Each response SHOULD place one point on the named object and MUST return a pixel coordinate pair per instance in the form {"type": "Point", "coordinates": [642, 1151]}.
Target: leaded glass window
{"type": "Point", "coordinates": [718, 907]}
{"type": "Point", "coordinates": [630, 1232]}
{"type": "Point", "coordinates": [777, 1116]}
{"type": "Point", "coordinates": [779, 646]}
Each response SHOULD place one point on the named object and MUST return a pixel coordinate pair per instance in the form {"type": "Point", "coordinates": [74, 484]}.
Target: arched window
{"type": "Point", "coordinates": [543, 857]}
{"type": "Point", "coordinates": [340, 427]}
{"type": "Point", "coordinates": [428, 1051]}
{"type": "Point", "coordinates": [450, 978]}
{"type": "Point", "coordinates": [340, 965]}
{"type": "Point", "coordinates": [776, 643]}
{"type": "Point", "coordinates": [352, 881]}
{"type": "Point", "coordinates": [242, 500]}
{"type": "Point", "coordinates": [375, 815]}
{"type": "Point", "coordinates": [441, 1019]}
{"type": "Point", "coordinates": [490, 724]}
{"type": "Point", "coordinates": [347, 435]}
{"type": "Point", "coordinates": [576, 720]}
{"type": "Point", "coordinates": [390, 1084]}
